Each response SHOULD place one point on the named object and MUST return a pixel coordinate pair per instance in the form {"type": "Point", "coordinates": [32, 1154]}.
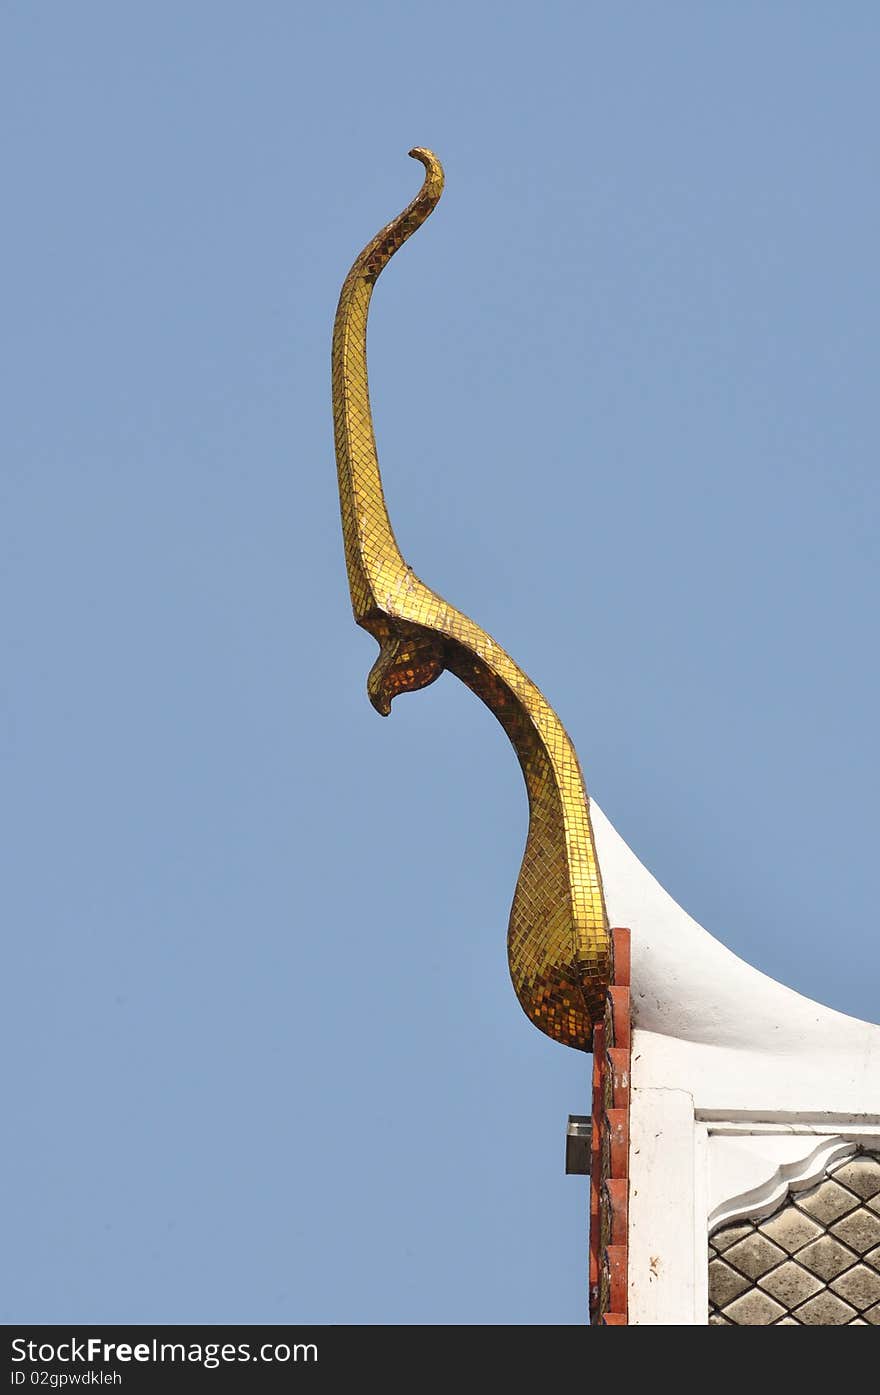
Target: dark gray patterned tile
{"type": "Point", "coordinates": [754, 1309]}
{"type": "Point", "coordinates": [791, 1285]}
{"type": "Point", "coordinates": [859, 1286]}
{"type": "Point", "coordinates": [825, 1310]}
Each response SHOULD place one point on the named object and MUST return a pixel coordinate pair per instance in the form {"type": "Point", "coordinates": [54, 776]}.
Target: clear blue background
{"type": "Point", "coordinates": [263, 1062]}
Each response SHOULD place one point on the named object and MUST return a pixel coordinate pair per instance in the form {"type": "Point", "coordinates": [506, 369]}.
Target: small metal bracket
{"type": "Point", "coordinates": [578, 1143]}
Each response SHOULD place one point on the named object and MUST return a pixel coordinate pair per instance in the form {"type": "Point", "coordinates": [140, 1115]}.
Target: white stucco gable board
{"type": "Point", "coordinates": [707, 1022]}
{"type": "Point", "coordinates": [741, 1089]}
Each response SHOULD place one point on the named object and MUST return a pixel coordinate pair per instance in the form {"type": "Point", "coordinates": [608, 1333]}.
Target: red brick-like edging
{"type": "Point", "coordinates": [609, 1161]}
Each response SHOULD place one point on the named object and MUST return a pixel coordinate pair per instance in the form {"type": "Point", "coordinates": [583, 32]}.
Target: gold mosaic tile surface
{"type": "Point", "coordinates": [559, 948]}
{"type": "Point", "coordinates": [815, 1262]}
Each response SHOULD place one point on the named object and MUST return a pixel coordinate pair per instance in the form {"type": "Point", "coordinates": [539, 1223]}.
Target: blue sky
{"type": "Point", "coordinates": [263, 1059]}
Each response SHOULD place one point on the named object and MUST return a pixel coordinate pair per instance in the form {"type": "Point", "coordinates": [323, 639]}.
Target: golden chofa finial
{"type": "Point", "coordinates": [558, 944]}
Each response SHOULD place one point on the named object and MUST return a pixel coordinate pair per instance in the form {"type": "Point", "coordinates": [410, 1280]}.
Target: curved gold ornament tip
{"type": "Point", "coordinates": [559, 945]}
{"type": "Point", "coordinates": [433, 168]}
